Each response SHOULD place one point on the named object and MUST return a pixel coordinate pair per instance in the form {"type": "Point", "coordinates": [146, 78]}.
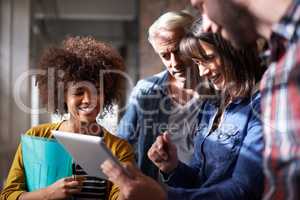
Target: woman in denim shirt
{"type": "Point", "coordinates": [227, 162]}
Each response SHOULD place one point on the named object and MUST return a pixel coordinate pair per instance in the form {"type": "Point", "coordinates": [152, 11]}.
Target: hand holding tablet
{"type": "Point", "coordinates": [88, 151]}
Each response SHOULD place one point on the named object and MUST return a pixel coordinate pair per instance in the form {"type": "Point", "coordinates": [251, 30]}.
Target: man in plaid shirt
{"type": "Point", "coordinates": [242, 21]}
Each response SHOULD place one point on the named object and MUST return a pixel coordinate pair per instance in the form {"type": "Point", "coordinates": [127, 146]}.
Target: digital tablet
{"type": "Point", "coordinates": [87, 151]}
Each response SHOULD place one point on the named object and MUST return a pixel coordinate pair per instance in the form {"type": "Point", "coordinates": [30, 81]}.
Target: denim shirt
{"type": "Point", "coordinates": [146, 116]}
{"type": "Point", "coordinates": [227, 162]}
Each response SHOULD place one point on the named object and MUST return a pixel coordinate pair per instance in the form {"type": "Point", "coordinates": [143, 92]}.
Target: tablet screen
{"type": "Point", "coordinates": [87, 151]}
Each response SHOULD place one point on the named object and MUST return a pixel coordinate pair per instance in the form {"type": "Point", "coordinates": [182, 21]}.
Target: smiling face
{"type": "Point", "coordinates": [166, 45]}
{"type": "Point", "coordinates": [231, 18]}
{"type": "Point", "coordinates": [211, 67]}
{"type": "Point", "coordinates": [84, 102]}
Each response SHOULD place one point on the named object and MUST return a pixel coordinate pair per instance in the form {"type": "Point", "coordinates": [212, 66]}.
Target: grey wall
{"type": "Point", "coordinates": [14, 39]}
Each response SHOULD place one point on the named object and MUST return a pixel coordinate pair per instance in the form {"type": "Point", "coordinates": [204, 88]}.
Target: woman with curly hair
{"type": "Point", "coordinates": [82, 78]}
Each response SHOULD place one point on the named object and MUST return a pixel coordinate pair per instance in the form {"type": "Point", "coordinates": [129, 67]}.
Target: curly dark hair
{"type": "Point", "coordinates": [80, 59]}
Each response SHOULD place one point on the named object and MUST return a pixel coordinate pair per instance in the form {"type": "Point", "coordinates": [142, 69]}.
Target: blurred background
{"type": "Point", "coordinates": [28, 26]}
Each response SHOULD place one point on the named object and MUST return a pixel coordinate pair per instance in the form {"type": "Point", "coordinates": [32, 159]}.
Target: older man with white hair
{"type": "Point", "coordinates": [167, 101]}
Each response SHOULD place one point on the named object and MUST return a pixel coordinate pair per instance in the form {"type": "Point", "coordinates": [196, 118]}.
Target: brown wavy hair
{"type": "Point", "coordinates": [241, 67]}
{"type": "Point", "coordinates": [79, 59]}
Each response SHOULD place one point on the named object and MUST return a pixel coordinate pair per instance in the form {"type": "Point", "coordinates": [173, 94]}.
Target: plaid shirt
{"type": "Point", "coordinates": [280, 89]}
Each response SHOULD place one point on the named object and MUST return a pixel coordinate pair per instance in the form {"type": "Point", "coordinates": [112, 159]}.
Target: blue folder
{"type": "Point", "coordinates": [45, 161]}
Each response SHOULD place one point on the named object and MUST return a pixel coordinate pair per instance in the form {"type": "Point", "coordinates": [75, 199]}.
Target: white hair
{"type": "Point", "coordinates": [170, 21]}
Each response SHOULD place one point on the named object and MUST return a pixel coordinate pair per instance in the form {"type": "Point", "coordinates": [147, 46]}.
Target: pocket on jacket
{"type": "Point", "coordinates": [225, 144]}
{"type": "Point", "coordinates": [229, 137]}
